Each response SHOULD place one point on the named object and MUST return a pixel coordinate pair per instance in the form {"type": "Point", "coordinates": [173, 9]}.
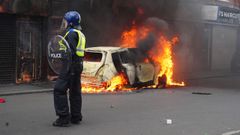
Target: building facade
{"type": "Point", "coordinates": [208, 29]}
{"type": "Point", "coordinates": [23, 29]}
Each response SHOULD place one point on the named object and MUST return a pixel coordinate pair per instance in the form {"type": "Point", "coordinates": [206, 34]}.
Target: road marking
{"type": "Point", "coordinates": [231, 133]}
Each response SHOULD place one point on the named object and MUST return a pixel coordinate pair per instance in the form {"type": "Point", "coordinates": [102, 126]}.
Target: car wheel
{"type": "Point", "coordinates": [162, 81]}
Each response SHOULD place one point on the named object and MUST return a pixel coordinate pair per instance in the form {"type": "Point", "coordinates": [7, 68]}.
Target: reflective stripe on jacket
{"type": "Point", "coordinates": [81, 42]}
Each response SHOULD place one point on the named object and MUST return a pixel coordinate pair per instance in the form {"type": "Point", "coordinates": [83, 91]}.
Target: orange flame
{"type": "Point", "coordinates": [161, 54]}
{"type": "Point", "coordinates": [117, 83]}
{"type": "Point", "coordinates": [129, 38]}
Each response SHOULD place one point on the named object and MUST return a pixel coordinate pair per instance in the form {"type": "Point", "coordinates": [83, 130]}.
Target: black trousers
{"type": "Point", "coordinates": [69, 81]}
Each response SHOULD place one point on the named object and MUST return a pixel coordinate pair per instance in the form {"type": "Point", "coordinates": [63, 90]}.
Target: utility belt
{"type": "Point", "coordinates": [76, 67]}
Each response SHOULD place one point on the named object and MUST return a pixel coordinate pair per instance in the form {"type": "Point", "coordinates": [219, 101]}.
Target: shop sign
{"type": "Point", "coordinates": [228, 15]}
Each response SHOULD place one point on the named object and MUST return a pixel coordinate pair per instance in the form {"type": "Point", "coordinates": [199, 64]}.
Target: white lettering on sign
{"type": "Point", "coordinates": [56, 55]}
{"type": "Point", "coordinates": [229, 14]}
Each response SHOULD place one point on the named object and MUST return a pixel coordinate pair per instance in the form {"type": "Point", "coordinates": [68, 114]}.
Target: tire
{"type": "Point", "coordinates": [162, 81]}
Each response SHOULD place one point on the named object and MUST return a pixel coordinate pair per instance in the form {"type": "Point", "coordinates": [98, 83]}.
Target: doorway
{"type": "Point", "coordinates": [223, 47]}
{"type": "Point", "coordinates": [29, 51]}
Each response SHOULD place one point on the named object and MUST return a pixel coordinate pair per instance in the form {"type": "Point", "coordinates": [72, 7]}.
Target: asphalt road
{"type": "Point", "coordinates": [210, 111]}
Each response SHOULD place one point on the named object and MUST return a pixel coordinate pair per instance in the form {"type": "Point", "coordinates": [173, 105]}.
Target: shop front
{"type": "Point", "coordinates": [23, 34]}
{"type": "Point", "coordinates": [223, 28]}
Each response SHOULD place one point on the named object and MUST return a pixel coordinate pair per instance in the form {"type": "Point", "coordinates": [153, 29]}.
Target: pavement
{"type": "Point", "coordinates": [17, 89]}
{"type": "Point", "coordinates": [192, 79]}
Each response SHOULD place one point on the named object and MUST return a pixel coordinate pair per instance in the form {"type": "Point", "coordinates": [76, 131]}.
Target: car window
{"type": "Point", "coordinates": [117, 61]}
{"type": "Point", "coordinates": [137, 56]}
{"type": "Point", "coordinates": [93, 56]}
{"type": "Point", "coordinates": [125, 57]}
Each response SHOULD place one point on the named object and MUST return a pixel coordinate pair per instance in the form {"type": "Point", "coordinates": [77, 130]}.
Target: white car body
{"type": "Point", "coordinates": [103, 63]}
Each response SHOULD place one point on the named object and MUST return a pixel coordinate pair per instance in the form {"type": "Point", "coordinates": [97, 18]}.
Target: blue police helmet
{"type": "Point", "coordinates": [73, 18]}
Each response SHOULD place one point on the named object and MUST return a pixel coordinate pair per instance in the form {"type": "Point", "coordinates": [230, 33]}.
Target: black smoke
{"type": "Point", "coordinates": [157, 27]}
{"type": "Point", "coordinates": [104, 20]}
{"type": "Point", "coordinates": [146, 44]}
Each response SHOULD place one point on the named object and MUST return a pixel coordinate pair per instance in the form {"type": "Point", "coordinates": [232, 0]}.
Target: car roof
{"type": "Point", "coordinates": [103, 48]}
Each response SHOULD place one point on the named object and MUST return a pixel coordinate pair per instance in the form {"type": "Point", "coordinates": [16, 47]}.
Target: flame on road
{"type": "Point", "coordinates": [116, 84]}
{"type": "Point", "coordinates": [164, 57]}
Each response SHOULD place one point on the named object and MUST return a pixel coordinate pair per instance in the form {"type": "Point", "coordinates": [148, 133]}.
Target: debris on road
{"type": "Point", "coordinates": [201, 93]}
{"type": "Point", "coordinates": [168, 121]}
{"type": "Point", "coordinates": [2, 100]}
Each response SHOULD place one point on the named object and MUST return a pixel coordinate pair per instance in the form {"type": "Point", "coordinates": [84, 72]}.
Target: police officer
{"type": "Point", "coordinates": [70, 79]}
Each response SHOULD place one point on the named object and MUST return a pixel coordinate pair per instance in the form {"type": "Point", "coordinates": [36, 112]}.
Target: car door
{"type": "Point", "coordinates": [145, 70]}
{"type": "Point", "coordinates": [129, 66]}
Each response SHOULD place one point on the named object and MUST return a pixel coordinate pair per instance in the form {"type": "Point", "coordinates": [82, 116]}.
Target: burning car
{"type": "Point", "coordinates": [143, 59]}
{"type": "Point", "coordinates": [101, 64]}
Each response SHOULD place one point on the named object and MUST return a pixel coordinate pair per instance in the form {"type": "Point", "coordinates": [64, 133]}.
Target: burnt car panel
{"type": "Point", "coordinates": [145, 70]}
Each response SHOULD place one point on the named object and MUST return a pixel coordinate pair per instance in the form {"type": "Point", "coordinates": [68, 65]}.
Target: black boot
{"type": "Point", "coordinates": [76, 120]}
{"type": "Point", "coordinates": [62, 122]}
